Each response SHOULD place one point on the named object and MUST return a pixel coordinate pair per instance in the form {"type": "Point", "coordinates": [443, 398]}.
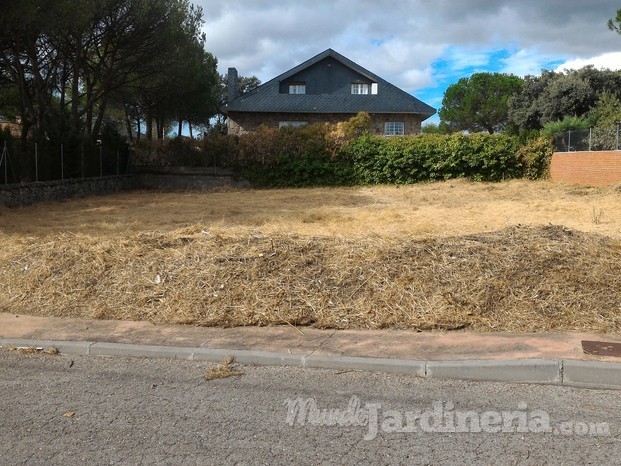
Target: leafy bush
{"type": "Point", "coordinates": [482, 157]}
{"type": "Point", "coordinates": [305, 156]}
{"type": "Point", "coordinates": [569, 123]}
{"type": "Point", "coordinates": [319, 155]}
{"type": "Point", "coordinates": [535, 157]}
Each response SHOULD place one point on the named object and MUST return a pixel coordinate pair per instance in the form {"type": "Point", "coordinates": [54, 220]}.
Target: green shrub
{"type": "Point", "coordinates": [481, 157]}
{"type": "Point", "coordinates": [569, 123]}
{"type": "Point", "coordinates": [319, 155]}
{"type": "Point", "coordinates": [535, 156]}
{"type": "Point", "coordinates": [289, 156]}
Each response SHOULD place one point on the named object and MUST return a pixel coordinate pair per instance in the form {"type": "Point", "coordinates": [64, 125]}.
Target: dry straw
{"type": "Point", "coordinates": [518, 279]}
{"type": "Point", "coordinates": [222, 370]}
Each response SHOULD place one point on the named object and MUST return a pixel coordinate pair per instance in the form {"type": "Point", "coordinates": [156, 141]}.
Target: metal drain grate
{"type": "Point", "coordinates": [601, 348]}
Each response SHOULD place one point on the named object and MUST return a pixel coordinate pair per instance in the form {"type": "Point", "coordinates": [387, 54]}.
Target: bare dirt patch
{"type": "Point", "coordinates": [517, 256]}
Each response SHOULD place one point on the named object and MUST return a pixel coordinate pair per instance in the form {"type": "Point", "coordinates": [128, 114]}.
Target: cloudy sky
{"type": "Point", "coordinates": [421, 46]}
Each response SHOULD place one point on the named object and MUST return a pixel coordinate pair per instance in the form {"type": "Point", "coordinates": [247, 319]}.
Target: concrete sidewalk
{"type": "Point", "coordinates": [555, 358]}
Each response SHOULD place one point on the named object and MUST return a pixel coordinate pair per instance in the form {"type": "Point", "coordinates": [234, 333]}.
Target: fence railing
{"type": "Point", "coordinates": [592, 139]}
{"type": "Point", "coordinates": [28, 162]}
{"type": "Point", "coordinates": [212, 152]}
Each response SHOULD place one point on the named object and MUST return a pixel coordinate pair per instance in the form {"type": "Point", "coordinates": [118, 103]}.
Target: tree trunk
{"type": "Point", "coordinates": [75, 97]}
{"type": "Point", "coordinates": [89, 108]}
{"type": "Point", "coordinates": [128, 121]}
{"type": "Point", "coordinates": [100, 116]}
{"type": "Point", "coordinates": [63, 86]}
{"type": "Point", "coordinates": [128, 125]}
{"type": "Point", "coordinates": [180, 127]}
{"type": "Point", "coordinates": [38, 90]}
{"type": "Point", "coordinates": [149, 123]}
{"type": "Point", "coordinates": [190, 126]}
{"type": "Point", "coordinates": [160, 128]}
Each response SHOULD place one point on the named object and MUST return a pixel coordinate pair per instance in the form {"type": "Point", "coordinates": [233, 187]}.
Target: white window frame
{"type": "Point", "coordinates": [293, 124]}
{"type": "Point", "coordinates": [360, 88]}
{"type": "Point", "coordinates": [394, 128]}
{"type": "Point", "coordinates": [297, 88]}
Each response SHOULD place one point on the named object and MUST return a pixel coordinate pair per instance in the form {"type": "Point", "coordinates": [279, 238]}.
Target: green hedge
{"type": "Point", "coordinates": [313, 156]}
{"type": "Point", "coordinates": [433, 157]}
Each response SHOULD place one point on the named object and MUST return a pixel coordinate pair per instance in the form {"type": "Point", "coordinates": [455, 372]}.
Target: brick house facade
{"type": "Point", "coordinates": [327, 88]}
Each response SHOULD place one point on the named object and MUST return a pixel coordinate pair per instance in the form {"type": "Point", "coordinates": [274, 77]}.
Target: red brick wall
{"type": "Point", "coordinates": [588, 168]}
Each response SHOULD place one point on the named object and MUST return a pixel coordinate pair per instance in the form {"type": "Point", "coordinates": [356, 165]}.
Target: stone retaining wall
{"type": "Point", "coordinates": [186, 181]}
{"type": "Point", "coordinates": [17, 195]}
{"type": "Point", "coordinates": [160, 178]}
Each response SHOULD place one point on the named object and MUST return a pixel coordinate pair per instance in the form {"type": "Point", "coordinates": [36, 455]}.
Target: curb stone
{"type": "Point", "coordinates": [522, 370]}
{"type": "Point", "coordinates": [586, 374]}
{"type": "Point", "coordinates": [590, 373]}
{"type": "Point", "coordinates": [403, 366]}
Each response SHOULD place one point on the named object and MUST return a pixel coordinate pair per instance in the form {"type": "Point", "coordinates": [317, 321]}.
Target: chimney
{"type": "Point", "coordinates": [233, 84]}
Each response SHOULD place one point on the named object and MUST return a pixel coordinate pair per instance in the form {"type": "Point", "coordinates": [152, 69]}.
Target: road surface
{"type": "Point", "coordinates": [87, 410]}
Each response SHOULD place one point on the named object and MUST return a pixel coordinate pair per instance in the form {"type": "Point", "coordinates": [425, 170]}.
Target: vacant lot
{"type": "Point", "coordinates": [514, 256]}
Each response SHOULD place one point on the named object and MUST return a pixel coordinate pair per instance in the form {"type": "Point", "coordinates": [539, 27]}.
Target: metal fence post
{"type": "Point", "coordinates": [590, 136]}
{"type": "Point", "coordinates": [100, 160]}
{"type": "Point", "coordinates": [82, 160]}
{"type": "Point", "coordinates": [36, 162]}
{"type": "Point", "coordinates": [62, 162]}
{"type": "Point", "coordinates": [568, 140]}
{"type": "Point", "coordinates": [617, 144]}
{"type": "Point", "coordinates": [5, 158]}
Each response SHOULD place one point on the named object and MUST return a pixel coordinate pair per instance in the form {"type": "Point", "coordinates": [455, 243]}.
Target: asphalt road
{"type": "Point", "coordinates": [86, 410]}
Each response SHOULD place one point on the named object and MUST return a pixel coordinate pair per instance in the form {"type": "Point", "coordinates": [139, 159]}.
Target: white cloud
{"type": "Point", "coordinates": [407, 42]}
{"type": "Point", "coordinates": [610, 61]}
{"type": "Point", "coordinates": [459, 59]}
{"type": "Point", "coordinates": [526, 61]}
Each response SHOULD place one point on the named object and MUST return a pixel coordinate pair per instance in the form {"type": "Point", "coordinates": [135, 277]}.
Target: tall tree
{"type": "Point", "coordinates": [614, 24]}
{"type": "Point", "coordinates": [28, 59]}
{"type": "Point", "coordinates": [72, 63]}
{"type": "Point", "coordinates": [553, 96]}
{"type": "Point", "coordinates": [566, 95]}
{"type": "Point", "coordinates": [524, 109]}
{"type": "Point", "coordinates": [479, 103]}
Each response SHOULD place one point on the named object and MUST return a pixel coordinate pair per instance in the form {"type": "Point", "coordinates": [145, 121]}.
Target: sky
{"type": "Point", "coordinates": [421, 46]}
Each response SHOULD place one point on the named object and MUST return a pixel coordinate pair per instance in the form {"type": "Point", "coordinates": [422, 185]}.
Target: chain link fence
{"type": "Point", "coordinates": [30, 161]}
{"type": "Point", "coordinates": [592, 139]}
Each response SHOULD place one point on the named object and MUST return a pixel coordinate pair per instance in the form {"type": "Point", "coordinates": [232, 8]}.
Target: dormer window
{"type": "Point", "coordinates": [297, 88]}
{"type": "Point", "coordinates": [360, 88]}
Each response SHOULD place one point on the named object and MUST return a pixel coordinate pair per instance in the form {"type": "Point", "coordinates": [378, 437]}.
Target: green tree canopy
{"type": "Point", "coordinates": [614, 24]}
{"type": "Point", "coordinates": [73, 64]}
{"type": "Point", "coordinates": [554, 96]}
{"type": "Point", "coordinates": [479, 103]}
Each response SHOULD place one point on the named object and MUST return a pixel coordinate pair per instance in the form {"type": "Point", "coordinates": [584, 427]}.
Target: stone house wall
{"type": "Point", "coordinates": [240, 123]}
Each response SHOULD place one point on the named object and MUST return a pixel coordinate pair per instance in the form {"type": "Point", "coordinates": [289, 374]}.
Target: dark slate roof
{"type": "Point", "coordinates": [389, 99]}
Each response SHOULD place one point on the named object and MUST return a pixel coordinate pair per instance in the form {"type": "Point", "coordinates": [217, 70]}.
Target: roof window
{"type": "Point", "coordinates": [297, 88]}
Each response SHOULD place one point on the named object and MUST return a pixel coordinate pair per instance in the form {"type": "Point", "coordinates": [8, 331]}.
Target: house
{"type": "Point", "coordinates": [326, 88]}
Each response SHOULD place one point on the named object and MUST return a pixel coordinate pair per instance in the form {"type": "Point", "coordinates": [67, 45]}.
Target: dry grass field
{"type": "Point", "coordinates": [513, 256]}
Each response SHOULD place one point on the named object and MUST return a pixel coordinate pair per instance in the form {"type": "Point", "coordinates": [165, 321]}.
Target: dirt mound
{"type": "Point", "coordinates": [520, 279]}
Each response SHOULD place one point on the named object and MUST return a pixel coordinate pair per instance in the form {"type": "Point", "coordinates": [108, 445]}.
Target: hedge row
{"type": "Point", "coordinates": [314, 156]}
